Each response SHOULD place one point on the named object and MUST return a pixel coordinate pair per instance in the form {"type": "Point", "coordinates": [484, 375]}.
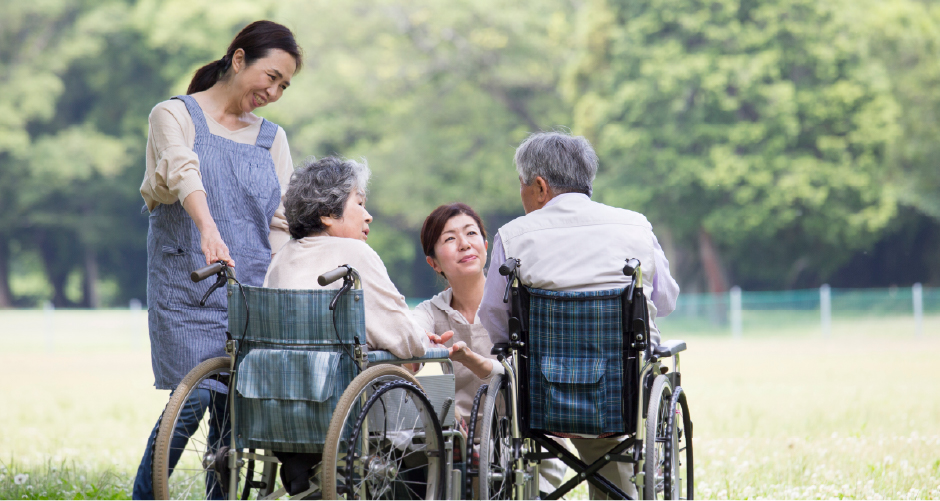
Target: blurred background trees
{"type": "Point", "coordinates": [773, 144]}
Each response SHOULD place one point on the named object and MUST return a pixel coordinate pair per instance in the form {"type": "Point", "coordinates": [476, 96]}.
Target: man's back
{"type": "Point", "coordinates": [575, 244]}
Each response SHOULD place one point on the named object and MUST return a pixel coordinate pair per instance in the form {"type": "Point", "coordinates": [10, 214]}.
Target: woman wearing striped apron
{"type": "Point", "coordinates": [215, 174]}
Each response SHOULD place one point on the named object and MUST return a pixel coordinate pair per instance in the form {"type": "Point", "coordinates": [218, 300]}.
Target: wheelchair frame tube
{"type": "Point", "coordinates": [233, 458]}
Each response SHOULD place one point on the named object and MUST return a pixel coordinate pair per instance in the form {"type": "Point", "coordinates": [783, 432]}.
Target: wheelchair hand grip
{"type": "Point", "coordinates": [332, 276]}
{"type": "Point", "coordinates": [206, 272]}
{"type": "Point", "coordinates": [630, 268]}
{"type": "Point", "coordinates": [508, 267]}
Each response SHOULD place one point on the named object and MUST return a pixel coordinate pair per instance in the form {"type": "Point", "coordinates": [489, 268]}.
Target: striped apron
{"type": "Point", "coordinates": [243, 192]}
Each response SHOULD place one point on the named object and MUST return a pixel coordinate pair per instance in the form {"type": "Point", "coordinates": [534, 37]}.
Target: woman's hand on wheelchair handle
{"type": "Point", "coordinates": [214, 248]}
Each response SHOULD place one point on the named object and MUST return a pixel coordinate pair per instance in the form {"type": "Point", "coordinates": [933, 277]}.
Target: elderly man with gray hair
{"type": "Point", "coordinates": [567, 242]}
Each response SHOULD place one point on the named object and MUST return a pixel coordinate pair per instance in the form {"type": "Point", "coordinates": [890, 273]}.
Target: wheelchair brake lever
{"type": "Point", "coordinates": [510, 279]}
{"type": "Point", "coordinates": [347, 284]}
{"type": "Point", "coordinates": [219, 282]}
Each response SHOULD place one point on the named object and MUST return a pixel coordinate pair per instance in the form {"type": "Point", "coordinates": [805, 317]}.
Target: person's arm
{"type": "Point", "coordinates": [172, 165]}
{"type": "Point", "coordinates": [494, 313]}
{"type": "Point", "coordinates": [176, 176]}
{"type": "Point", "coordinates": [284, 166]}
{"type": "Point", "coordinates": [389, 322]}
{"type": "Point", "coordinates": [213, 248]}
{"type": "Point", "coordinates": [480, 366]}
{"type": "Point", "coordinates": [665, 289]}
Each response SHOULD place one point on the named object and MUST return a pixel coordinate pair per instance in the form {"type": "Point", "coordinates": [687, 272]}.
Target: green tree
{"type": "Point", "coordinates": [435, 95]}
{"type": "Point", "coordinates": [36, 46]}
{"type": "Point", "coordinates": [73, 156]}
{"type": "Point", "coordinates": [756, 132]}
{"type": "Point", "coordinates": [905, 36]}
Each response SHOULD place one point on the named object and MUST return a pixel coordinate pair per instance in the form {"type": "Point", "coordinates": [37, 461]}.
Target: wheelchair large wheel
{"type": "Point", "coordinates": [473, 473]}
{"type": "Point", "coordinates": [679, 479]}
{"type": "Point", "coordinates": [659, 442]}
{"type": "Point", "coordinates": [495, 470]}
{"type": "Point", "coordinates": [385, 461]}
{"type": "Point", "coordinates": [193, 439]}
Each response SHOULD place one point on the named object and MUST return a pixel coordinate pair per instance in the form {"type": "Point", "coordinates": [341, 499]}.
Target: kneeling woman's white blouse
{"type": "Point", "coordinates": [436, 315]}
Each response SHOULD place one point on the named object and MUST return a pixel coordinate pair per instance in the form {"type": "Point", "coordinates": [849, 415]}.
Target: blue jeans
{"type": "Point", "coordinates": [190, 415]}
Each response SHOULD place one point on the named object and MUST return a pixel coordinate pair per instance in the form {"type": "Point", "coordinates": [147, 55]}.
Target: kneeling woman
{"type": "Point", "coordinates": [329, 224]}
{"type": "Point", "coordinates": [454, 242]}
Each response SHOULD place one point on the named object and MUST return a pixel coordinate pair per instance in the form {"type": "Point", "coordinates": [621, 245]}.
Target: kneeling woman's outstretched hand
{"type": "Point", "coordinates": [480, 366]}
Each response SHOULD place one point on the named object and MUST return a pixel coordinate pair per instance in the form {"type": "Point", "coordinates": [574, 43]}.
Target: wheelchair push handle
{"type": "Point", "coordinates": [206, 272]}
{"type": "Point", "coordinates": [508, 267]}
{"type": "Point", "coordinates": [332, 276]}
{"type": "Point", "coordinates": [630, 268]}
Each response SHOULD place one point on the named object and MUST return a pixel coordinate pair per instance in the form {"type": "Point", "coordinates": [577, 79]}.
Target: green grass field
{"type": "Point", "coordinates": [780, 413]}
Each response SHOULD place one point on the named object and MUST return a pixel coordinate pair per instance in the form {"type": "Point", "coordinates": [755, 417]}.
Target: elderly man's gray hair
{"type": "Point", "coordinates": [567, 163]}
{"type": "Point", "coordinates": [320, 188]}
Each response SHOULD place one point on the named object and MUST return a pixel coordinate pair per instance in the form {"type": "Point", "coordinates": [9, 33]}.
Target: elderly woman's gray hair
{"type": "Point", "coordinates": [320, 188]}
{"type": "Point", "coordinates": [567, 163]}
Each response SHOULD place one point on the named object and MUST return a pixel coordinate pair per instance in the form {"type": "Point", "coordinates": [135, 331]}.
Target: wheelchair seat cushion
{"type": "Point", "coordinates": [576, 362]}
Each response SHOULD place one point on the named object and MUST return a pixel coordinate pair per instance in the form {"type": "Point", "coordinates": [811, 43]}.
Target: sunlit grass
{"type": "Point", "coordinates": [63, 480]}
{"type": "Point", "coordinates": [782, 413]}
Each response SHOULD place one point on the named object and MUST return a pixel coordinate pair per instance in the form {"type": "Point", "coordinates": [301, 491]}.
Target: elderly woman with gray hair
{"type": "Point", "coordinates": [329, 224]}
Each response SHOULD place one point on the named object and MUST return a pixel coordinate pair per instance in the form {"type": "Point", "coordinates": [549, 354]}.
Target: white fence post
{"type": "Point", "coordinates": [736, 312]}
{"type": "Point", "coordinates": [918, 292]}
{"type": "Point", "coordinates": [49, 309]}
{"type": "Point", "coordinates": [825, 309]}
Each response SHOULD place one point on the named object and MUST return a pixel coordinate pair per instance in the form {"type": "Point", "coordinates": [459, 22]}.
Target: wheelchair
{"type": "Point", "coordinates": [580, 364]}
{"type": "Point", "coordinates": [299, 389]}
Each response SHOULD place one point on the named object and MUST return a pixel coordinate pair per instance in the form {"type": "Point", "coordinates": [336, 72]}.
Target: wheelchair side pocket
{"type": "Point", "coordinates": [572, 396]}
{"type": "Point", "coordinates": [287, 374]}
{"type": "Point", "coordinates": [286, 397]}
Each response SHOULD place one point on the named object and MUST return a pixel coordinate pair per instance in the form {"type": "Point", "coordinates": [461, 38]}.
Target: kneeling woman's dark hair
{"type": "Point", "coordinates": [320, 188]}
{"type": "Point", "coordinates": [435, 222]}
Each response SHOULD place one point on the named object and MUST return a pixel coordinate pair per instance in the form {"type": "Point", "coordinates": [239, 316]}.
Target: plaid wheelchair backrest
{"type": "Point", "coordinates": [291, 368]}
{"type": "Point", "coordinates": [576, 370]}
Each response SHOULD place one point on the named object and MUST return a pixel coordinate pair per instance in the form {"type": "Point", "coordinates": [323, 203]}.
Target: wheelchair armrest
{"type": "Point", "coordinates": [668, 348]}
{"type": "Point", "coordinates": [500, 349]}
{"type": "Point", "coordinates": [378, 356]}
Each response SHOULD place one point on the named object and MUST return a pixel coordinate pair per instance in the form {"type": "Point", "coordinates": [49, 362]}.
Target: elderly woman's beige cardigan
{"type": "Point", "coordinates": [389, 325]}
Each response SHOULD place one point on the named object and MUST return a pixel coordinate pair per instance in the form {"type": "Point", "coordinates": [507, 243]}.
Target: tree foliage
{"type": "Point", "coordinates": [435, 96]}
{"type": "Point", "coordinates": [765, 126]}
{"type": "Point", "coordinates": [774, 138]}
{"type": "Point", "coordinates": [905, 37]}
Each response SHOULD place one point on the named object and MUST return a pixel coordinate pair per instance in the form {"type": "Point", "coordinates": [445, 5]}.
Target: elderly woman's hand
{"type": "Point", "coordinates": [440, 340]}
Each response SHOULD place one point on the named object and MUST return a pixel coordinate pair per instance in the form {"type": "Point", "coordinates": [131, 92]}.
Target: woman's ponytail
{"type": "Point", "coordinates": [256, 39]}
{"type": "Point", "coordinates": [208, 75]}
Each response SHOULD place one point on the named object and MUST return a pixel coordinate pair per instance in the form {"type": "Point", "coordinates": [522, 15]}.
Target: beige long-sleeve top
{"type": "Point", "coordinates": [389, 324]}
{"type": "Point", "coordinates": [437, 315]}
{"type": "Point", "coordinates": [173, 167]}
